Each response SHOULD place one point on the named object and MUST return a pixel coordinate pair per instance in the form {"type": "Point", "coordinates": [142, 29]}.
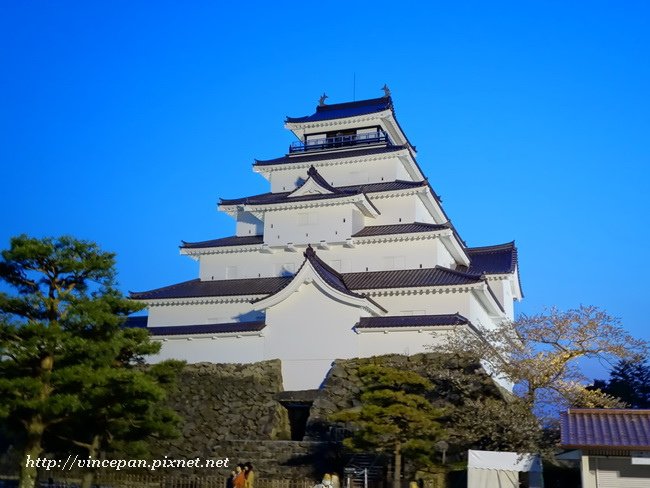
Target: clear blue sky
{"type": "Point", "coordinates": [123, 122]}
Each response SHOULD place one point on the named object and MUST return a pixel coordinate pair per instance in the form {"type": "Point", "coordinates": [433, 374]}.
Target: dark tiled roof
{"type": "Point", "coordinates": [381, 230]}
{"type": "Point", "coordinates": [411, 321]}
{"type": "Point", "coordinates": [324, 156]}
{"type": "Point", "coordinates": [501, 259]}
{"type": "Point", "coordinates": [232, 327]}
{"type": "Point", "coordinates": [329, 275]}
{"type": "Point", "coordinates": [606, 428]}
{"type": "Point", "coordinates": [225, 241]}
{"type": "Point", "coordinates": [197, 288]}
{"type": "Point", "coordinates": [343, 191]}
{"type": "Point", "coordinates": [342, 110]}
{"type": "Point", "coordinates": [346, 283]}
{"type": "Point", "coordinates": [405, 278]}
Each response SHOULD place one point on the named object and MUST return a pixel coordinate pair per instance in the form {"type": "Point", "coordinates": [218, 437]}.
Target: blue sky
{"type": "Point", "coordinates": [124, 122]}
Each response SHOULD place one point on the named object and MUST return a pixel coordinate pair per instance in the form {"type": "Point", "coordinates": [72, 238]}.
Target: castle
{"type": "Point", "coordinates": [350, 254]}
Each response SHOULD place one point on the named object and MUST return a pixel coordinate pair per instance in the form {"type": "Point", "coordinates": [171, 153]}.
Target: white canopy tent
{"type": "Point", "coordinates": [490, 469]}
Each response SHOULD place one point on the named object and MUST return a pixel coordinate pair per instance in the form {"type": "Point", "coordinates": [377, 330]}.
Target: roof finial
{"type": "Point", "coordinates": [386, 90]}
{"type": "Point", "coordinates": [309, 252]}
{"type": "Point", "coordinates": [321, 100]}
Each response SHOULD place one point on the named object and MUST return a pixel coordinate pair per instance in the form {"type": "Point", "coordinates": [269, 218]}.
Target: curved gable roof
{"type": "Point", "coordinates": [343, 110]}
{"type": "Point", "coordinates": [499, 259]}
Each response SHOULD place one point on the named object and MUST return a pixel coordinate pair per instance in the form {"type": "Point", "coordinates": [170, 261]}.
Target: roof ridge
{"type": "Point", "coordinates": [189, 244]}
{"type": "Point", "coordinates": [310, 254]}
{"type": "Point", "coordinates": [163, 288]}
{"type": "Point", "coordinates": [355, 103]}
{"type": "Point", "coordinates": [494, 247]}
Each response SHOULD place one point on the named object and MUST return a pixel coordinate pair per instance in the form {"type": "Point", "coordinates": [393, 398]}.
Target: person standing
{"type": "Point", "coordinates": [240, 478]}
{"type": "Point", "coordinates": [249, 475]}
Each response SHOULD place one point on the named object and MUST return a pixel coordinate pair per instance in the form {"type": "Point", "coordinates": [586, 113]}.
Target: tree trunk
{"type": "Point", "coordinates": [31, 453]}
{"type": "Point", "coordinates": [89, 475]}
{"type": "Point", "coordinates": [397, 469]}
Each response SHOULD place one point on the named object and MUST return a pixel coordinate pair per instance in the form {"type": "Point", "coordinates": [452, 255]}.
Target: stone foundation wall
{"type": "Point", "coordinates": [453, 378]}
{"type": "Point", "coordinates": [225, 401]}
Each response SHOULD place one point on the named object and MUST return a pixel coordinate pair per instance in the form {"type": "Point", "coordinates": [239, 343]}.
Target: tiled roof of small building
{"type": "Point", "coordinates": [324, 156]}
{"type": "Point", "coordinates": [225, 241]}
{"type": "Point", "coordinates": [380, 230]}
{"type": "Point", "coordinates": [499, 259]}
{"type": "Point", "coordinates": [343, 110]}
{"type": "Point", "coordinates": [228, 328]}
{"type": "Point", "coordinates": [366, 280]}
{"type": "Point", "coordinates": [411, 321]}
{"type": "Point", "coordinates": [605, 428]}
{"type": "Point", "coordinates": [343, 191]}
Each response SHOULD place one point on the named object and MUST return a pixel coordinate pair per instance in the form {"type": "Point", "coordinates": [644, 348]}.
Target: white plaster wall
{"type": "Point", "coordinates": [397, 342]}
{"type": "Point", "coordinates": [245, 349]}
{"type": "Point", "coordinates": [443, 256]}
{"type": "Point", "coordinates": [330, 224]}
{"type": "Point", "coordinates": [201, 314]}
{"type": "Point", "coordinates": [427, 304]}
{"type": "Point", "coordinates": [503, 291]}
{"type": "Point", "coordinates": [356, 173]}
{"type": "Point", "coordinates": [421, 212]}
{"type": "Point", "coordinates": [248, 225]}
{"type": "Point", "coordinates": [425, 252]}
{"type": "Point", "coordinates": [479, 316]}
{"type": "Point", "coordinates": [307, 332]}
{"type": "Point", "coordinates": [374, 256]}
{"type": "Point", "coordinates": [394, 208]}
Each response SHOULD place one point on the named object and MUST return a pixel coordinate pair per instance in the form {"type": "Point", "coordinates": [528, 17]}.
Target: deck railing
{"type": "Point", "coordinates": [340, 141]}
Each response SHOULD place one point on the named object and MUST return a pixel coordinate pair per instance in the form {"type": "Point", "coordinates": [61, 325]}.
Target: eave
{"type": "Point", "coordinates": [206, 300]}
{"type": "Point", "coordinates": [221, 250]}
{"type": "Point", "coordinates": [345, 158]}
{"type": "Point", "coordinates": [360, 200]}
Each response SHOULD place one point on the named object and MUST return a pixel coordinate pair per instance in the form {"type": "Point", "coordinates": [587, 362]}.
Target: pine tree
{"type": "Point", "coordinates": [62, 347]}
{"type": "Point", "coordinates": [630, 381]}
{"type": "Point", "coordinates": [395, 416]}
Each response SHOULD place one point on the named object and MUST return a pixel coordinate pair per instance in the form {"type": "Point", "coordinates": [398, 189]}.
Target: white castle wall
{"type": "Point", "coordinates": [375, 256]}
{"type": "Point", "coordinates": [351, 173]}
{"type": "Point", "coordinates": [307, 332]}
{"type": "Point", "coordinates": [191, 314]}
{"type": "Point", "coordinates": [244, 349]}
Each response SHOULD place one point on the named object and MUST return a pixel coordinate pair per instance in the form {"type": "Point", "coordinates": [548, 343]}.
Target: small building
{"type": "Point", "coordinates": [350, 254]}
{"type": "Point", "coordinates": [612, 445]}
